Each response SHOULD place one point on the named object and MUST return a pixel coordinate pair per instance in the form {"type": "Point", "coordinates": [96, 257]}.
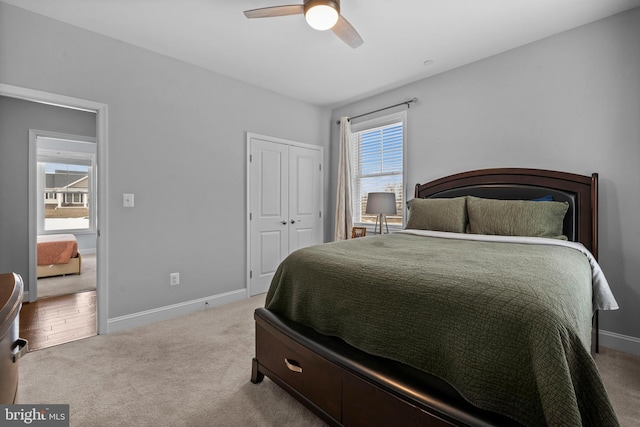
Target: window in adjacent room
{"type": "Point", "coordinates": [66, 186]}
{"type": "Point", "coordinates": [378, 165]}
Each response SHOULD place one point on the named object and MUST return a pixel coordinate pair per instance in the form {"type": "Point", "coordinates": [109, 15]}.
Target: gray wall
{"type": "Point", "coordinates": [177, 140]}
{"type": "Point", "coordinates": [16, 118]}
{"type": "Point", "coordinates": [570, 102]}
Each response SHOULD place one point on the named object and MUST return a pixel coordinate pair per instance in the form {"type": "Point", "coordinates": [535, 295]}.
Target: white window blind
{"type": "Point", "coordinates": [378, 166]}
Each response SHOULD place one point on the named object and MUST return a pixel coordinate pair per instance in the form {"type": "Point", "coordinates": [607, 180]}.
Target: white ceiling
{"type": "Point", "coordinates": [287, 56]}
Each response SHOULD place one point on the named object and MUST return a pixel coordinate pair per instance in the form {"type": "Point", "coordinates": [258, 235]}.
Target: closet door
{"type": "Point", "coordinates": [285, 205]}
{"type": "Point", "coordinates": [269, 211]}
{"type": "Point", "coordinates": [305, 196]}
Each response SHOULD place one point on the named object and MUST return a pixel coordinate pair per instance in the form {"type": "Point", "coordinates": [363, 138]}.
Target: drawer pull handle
{"type": "Point", "coordinates": [293, 365]}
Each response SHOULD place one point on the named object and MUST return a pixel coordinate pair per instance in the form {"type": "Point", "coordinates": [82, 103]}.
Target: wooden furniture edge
{"type": "Point", "coordinates": [410, 386]}
{"type": "Point", "coordinates": [74, 266]}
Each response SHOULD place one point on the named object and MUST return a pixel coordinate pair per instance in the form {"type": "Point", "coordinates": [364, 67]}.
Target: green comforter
{"type": "Point", "coordinates": [507, 324]}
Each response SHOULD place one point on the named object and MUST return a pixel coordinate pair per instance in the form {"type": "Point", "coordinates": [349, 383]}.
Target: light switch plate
{"type": "Point", "coordinates": [127, 200]}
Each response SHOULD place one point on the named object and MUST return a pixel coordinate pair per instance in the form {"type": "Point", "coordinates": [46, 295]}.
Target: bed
{"type": "Point", "coordinates": [58, 255]}
{"type": "Point", "coordinates": [389, 330]}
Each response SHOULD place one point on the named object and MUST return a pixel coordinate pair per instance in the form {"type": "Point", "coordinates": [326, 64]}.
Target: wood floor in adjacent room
{"type": "Point", "coordinates": [58, 320]}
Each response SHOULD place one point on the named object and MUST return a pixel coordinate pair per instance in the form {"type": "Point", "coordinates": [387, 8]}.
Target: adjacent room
{"type": "Point", "coordinates": [234, 214]}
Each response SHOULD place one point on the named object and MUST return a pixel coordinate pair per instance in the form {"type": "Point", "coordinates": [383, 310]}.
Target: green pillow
{"type": "Point", "coordinates": [438, 214]}
{"type": "Point", "coordinates": [516, 217]}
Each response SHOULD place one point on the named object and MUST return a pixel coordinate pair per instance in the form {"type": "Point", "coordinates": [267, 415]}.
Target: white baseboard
{"type": "Point", "coordinates": [624, 343]}
{"type": "Point", "coordinates": [168, 312]}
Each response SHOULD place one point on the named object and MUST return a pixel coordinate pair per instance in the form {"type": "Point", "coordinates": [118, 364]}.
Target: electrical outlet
{"type": "Point", "coordinates": [174, 279]}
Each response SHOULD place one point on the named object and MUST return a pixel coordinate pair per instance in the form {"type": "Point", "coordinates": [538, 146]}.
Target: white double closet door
{"type": "Point", "coordinates": [285, 198]}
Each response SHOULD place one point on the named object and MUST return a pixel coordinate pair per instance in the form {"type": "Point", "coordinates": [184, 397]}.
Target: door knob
{"type": "Point", "coordinates": [283, 222]}
{"type": "Point", "coordinates": [293, 221]}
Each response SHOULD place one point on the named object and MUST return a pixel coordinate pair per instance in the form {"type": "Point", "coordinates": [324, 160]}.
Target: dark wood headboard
{"type": "Point", "coordinates": [580, 191]}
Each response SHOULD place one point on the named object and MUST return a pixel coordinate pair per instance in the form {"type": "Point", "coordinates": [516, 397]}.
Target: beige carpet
{"type": "Point", "coordinates": [71, 283]}
{"type": "Point", "coordinates": [191, 371]}
{"type": "Point", "coordinates": [195, 371]}
{"type": "Point", "coordinates": [621, 375]}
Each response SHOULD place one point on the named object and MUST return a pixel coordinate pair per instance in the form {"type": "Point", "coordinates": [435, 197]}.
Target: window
{"type": "Point", "coordinates": [65, 180]}
{"type": "Point", "coordinates": [378, 165]}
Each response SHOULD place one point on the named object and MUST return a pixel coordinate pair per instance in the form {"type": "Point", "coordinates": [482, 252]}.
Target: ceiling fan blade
{"type": "Point", "coordinates": [347, 33]}
{"type": "Point", "coordinates": [268, 12]}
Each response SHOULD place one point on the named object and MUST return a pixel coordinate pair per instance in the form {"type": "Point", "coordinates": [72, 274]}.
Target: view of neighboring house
{"type": "Point", "coordinates": [67, 199]}
{"type": "Point", "coordinates": [66, 189]}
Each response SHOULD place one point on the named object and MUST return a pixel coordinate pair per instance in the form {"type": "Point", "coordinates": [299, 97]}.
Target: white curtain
{"type": "Point", "coordinates": [344, 220]}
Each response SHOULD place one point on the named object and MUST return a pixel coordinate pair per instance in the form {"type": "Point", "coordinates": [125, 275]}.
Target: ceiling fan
{"type": "Point", "coordinates": [320, 15]}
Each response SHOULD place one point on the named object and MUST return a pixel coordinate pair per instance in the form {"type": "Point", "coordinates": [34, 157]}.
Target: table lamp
{"type": "Point", "coordinates": [381, 204]}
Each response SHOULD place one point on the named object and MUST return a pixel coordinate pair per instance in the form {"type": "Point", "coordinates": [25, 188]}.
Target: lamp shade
{"type": "Point", "coordinates": [381, 203]}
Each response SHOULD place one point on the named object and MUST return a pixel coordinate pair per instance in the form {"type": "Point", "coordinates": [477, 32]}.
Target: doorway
{"type": "Point", "coordinates": [101, 125]}
{"type": "Point", "coordinates": [66, 206]}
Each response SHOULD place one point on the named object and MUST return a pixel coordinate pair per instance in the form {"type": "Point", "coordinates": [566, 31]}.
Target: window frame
{"type": "Point", "coordinates": [378, 122]}
{"type": "Point", "coordinates": [51, 149]}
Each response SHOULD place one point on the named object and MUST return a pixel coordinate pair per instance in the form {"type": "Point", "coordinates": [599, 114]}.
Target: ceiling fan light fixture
{"type": "Point", "coordinates": [321, 15]}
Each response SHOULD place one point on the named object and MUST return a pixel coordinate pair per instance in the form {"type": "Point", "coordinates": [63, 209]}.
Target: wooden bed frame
{"type": "Point", "coordinates": [345, 386]}
{"type": "Point", "coordinates": [74, 266]}
{"type": "Point", "coordinates": [52, 252]}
